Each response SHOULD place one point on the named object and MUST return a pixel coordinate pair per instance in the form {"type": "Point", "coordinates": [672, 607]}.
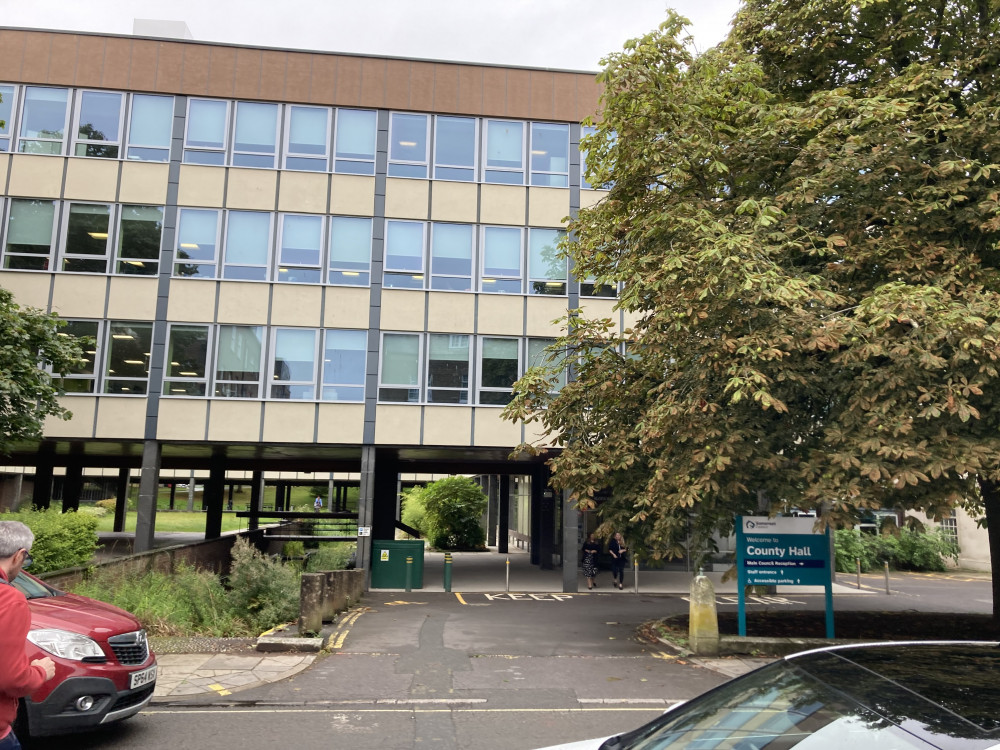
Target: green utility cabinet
{"type": "Point", "coordinates": [389, 563]}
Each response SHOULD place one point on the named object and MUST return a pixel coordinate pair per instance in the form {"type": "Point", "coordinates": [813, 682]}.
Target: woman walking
{"type": "Point", "coordinates": [619, 559]}
{"type": "Point", "coordinates": [590, 551]}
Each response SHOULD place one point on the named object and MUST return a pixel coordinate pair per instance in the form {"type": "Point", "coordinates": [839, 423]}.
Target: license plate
{"type": "Point", "coordinates": [145, 677]}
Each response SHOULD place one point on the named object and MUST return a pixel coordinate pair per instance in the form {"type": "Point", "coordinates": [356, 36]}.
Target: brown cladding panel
{"type": "Point", "coordinates": [62, 58]}
{"type": "Point", "coordinates": [422, 86]}
{"type": "Point", "coordinates": [221, 71]}
{"type": "Point", "coordinates": [470, 90]}
{"type": "Point", "coordinates": [563, 96]}
{"type": "Point", "coordinates": [348, 81]}
{"type": "Point", "coordinates": [397, 84]}
{"type": "Point", "coordinates": [196, 58]}
{"type": "Point", "coordinates": [373, 83]}
{"type": "Point", "coordinates": [588, 94]}
{"type": "Point", "coordinates": [494, 92]}
{"type": "Point", "coordinates": [445, 88]}
{"type": "Point", "coordinates": [36, 58]}
{"type": "Point", "coordinates": [144, 63]}
{"type": "Point", "coordinates": [90, 61]}
{"type": "Point", "coordinates": [12, 44]}
{"type": "Point", "coordinates": [323, 88]}
{"type": "Point", "coordinates": [169, 67]}
{"type": "Point", "coordinates": [272, 75]}
{"type": "Point", "coordinates": [117, 61]}
{"type": "Point", "coordinates": [519, 93]}
{"type": "Point", "coordinates": [542, 95]}
{"type": "Point", "coordinates": [298, 72]}
{"type": "Point", "coordinates": [246, 84]}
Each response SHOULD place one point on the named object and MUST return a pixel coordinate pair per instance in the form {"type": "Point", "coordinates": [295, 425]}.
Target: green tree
{"type": "Point", "coordinates": [453, 510]}
{"type": "Point", "coordinates": [31, 349]}
{"type": "Point", "coordinates": [806, 221]}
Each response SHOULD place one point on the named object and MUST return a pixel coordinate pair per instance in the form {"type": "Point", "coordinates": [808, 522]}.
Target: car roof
{"type": "Point", "coordinates": [933, 689]}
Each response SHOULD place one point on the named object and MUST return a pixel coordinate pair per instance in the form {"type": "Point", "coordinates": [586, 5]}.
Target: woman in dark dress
{"type": "Point", "coordinates": [619, 559]}
{"type": "Point", "coordinates": [591, 549]}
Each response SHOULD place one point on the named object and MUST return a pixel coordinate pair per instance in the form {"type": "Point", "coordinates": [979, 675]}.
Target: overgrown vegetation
{"type": "Point", "coordinates": [908, 550]}
{"type": "Point", "coordinates": [62, 540]}
{"type": "Point", "coordinates": [448, 513]}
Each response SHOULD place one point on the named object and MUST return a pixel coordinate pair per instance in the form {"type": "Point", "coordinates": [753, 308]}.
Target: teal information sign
{"type": "Point", "coordinates": [782, 552]}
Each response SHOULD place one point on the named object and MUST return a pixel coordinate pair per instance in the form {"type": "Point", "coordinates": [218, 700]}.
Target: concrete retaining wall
{"type": "Point", "coordinates": [323, 595]}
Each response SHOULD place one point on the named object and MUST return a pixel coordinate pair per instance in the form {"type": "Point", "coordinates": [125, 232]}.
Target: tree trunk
{"type": "Point", "coordinates": [990, 493]}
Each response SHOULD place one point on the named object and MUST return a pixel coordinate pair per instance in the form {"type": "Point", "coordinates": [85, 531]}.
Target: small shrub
{"type": "Point", "coordinates": [62, 540]}
{"type": "Point", "coordinates": [109, 504]}
{"type": "Point", "coordinates": [909, 549]}
{"type": "Point", "coordinates": [414, 512]}
{"type": "Point", "coordinates": [263, 591]}
{"type": "Point", "coordinates": [454, 508]}
{"type": "Point", "coordinates": [330, 556]}
{"type": "Point", "coordinates": [92, 510]}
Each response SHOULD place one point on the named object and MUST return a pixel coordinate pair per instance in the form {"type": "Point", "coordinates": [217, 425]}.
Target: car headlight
{"type": "Point", "coordinates": [66, 644]}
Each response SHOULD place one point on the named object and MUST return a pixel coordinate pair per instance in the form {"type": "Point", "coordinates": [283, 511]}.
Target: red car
{"type": "Point", "coordinates": [105, 671]}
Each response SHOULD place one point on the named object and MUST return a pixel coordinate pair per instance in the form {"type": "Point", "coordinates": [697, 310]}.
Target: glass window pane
{"type": "Point", "coordinates": [129, 347]}
{"type": "Point", "coordinates": [43, 119]}
{"type": "Point", "coordinates": [404, 246]}
{"type": "Point", "coordinates": [549, 154]}
{"type": "Point", "coordinates": [500, 366]}
{"type": "Point", "coordinates": [139, 239]}
{"type": "Point", "coordinates": [400, 359]}
{"type": "Point", "coordinates": [294, 368]}
{"type": "Point", "coordinates": [451, 249]}
{"type": "Point", "coordinates": [301, 239]}
{"type": "Point", "coordinates": [455, 146]}
{"type": "Point", "coordinates": [100, 121]}
{"type": "Point", "coordinates": [408, 143]}
{"type": "Point", "coordinates": [504, 144]}
{"type": "Point", "coordinates": [81, 378]}
{"type": "Point", "coordinates": [344, 358]}
{"type": "Point", "coordinates": [448, 369]}
{"type": "Point", "coordinates": [355, 134]}
{"type": "Point", "coordinates": [187, 357]}
{"type": "Point", "coordinates": [197, 234]}
{"type": "Point", "coordinates": [544, 260]}
{"type": "Point", "coordinates": [206, 125]}
{"type": "Point", "coordinates": [307, 132]}
{"type": "Point", "coordinates": [6, 109]}
{"type": "Point", "coordinates": [237, 364]}
{"type": "Point", "coordinates": [256, 134]}
{"type": "Point", "coordinates": [350, 250]}
{"type": "Point", "coordinates": [87, 229]}
{"type": "Point", "coordinates": [538, 356]}
{"type": "Point", "coordinates": [586, 130]}
{"type": "Point", "coordinates": [502, 251]}
{"type": "Point", "coordinates": [152, 121]}
{"type": "Point", "coordinates": [248, 237]}
{"type": "Point", "coordinates": [29, 229]}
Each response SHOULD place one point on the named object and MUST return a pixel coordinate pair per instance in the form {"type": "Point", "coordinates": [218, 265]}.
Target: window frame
{"type": "Point", "coordinates": [9, 134]}
{"type": "Point", "coordinates": [337, 159]}
{"type": "Point", "coordinates": [67, 117]}
{"type": "Point", "coordinates": [549, 174]}
{"type": "Point", "coordinates": [109, 244]}
{"type": "Point", "coordinates": [223, 151]}
{"type": "Point", "coordinates": [235, 153]}
{"type": "Point", "coordinates": [279, 248]}
{"type": "Point", "coordinates": [177, 244]}
{"type": "Point", "coordinates": [470, 277]}
{"type": "Point", "coordinates": [437, 164]}
{"type": "Point", "coordinates": [522, 170]}
{"type": "Point", "coordinates": [120, 260]}
{"type": "Point", "coordinates": [519, 369]}
{"type": "Point", "coordinates": [205, 381]}
{"type": "Point", "coordinates": [96, 355]}
{"type": "Point", "coordinates": [324, 385]}
{"type": "Point", "coordinates": [290, 383]}
{"type": "Point", "coordinates": [286, 145]}
{"type": "Point", "coordinates": [384, 386]}
{"type": "Point", "coordinates": [344, 271]}
{"type": "Point", "coordinates": [108, 376]}
{"type": "Point", "coordinates": [420, 275]}
{"type": "Point", "coordinates": [225, 265]}
{"type": "Point", "coordinates": [50, 257]}
{"type": "Point", "coordinates": [464, 392]}
{"type": "Point", "coordinates": [130, 121]}
{"type": "Point", "coordinates": [76, 142]}
{"type": "Point", "coordinates": [262, 358]}
{"type": "Point", "coordinates": [484, 232]}
{"type": "Point", "coordinates": [416, 164]}
{"type": "Point", "coordinates": [546, 282]}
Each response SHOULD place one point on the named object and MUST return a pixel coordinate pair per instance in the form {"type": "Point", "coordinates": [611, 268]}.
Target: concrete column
{"type": "Point", "coordinates": [256, 497]}
{"type": "Point", "coordinates": [215, 490]}
{"type": "Point", "coordinates": [492, 508]}
{"type": "Point", "coordinates": [121, 498]}
{"type": "Point", "coordinates": [145, 522]}
{"type": "Point", "coordinates": [503, 514]}
{"type": "Point", "coordinates": [366, 508]}
{"type": "Point", "coordinates": [570, 543]}
{"type": "Point", "coordinates": [72, 486]}
{"type": "Point", "coordinates": [41, 494]}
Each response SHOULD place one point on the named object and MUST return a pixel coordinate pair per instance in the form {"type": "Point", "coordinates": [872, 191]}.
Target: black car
{"type": "Point", "coordinates": [892, 696]}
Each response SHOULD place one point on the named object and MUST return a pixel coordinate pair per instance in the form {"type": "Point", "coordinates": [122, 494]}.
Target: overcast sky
{"type": "Point", "coordinates": [568, 34]}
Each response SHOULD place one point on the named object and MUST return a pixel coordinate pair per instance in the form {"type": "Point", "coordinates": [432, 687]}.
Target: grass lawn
{"type": "Point", "coordinates": [175, 520]}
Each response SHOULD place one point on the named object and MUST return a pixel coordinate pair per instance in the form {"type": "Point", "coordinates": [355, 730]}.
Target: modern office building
{"type": "Point", "coordinates": [292, 263]}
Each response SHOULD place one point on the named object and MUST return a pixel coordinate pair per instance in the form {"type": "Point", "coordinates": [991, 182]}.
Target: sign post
{"type": "Point", "coordinates": [782, 552]}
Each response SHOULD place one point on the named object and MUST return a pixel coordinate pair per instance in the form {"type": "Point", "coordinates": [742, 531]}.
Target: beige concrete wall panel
{"type": "Point", "coordinates": [535, 434]}
{"type": "Point", "coordinates": [144, 183]}
{"type": "Point", "coordinates": [422, 86]}
{"type": "Point", "coordinates": [373, 80]}
{"type": "Point", "coordinates": [348, 81]}
{"type": "Point", "coordinates": [341, 424]}
{"type": "Point", "coordinates": [81, 425]}
{"type": "Point", "coordinates": [145, 53]}
{"type": "Point", "coordinates": [542, 310]}
{"type": "Point", "coordinates": [323, 85]}
{"type": "Point", "coordinates": [548, 207]}
{"type": "Point", "coordinates": [519, 93]}
{"type": "Point", "coordinates": [352, 195]}
{"type": "Point", "coordinates": [288, 422]}
{"type": "Point", "coordinates": [470, 90]}
{"type": "Point", "coordinates": [79, 295]}
{"type": "Point", "coordinates": [34, 176]}
{"type": "Point", "coordinates": [502, 204]}
{"type": "Point", "coordinates": [564, 96]}
{"type": "Point", "coordinates": [447, 425]}
{"type": "Point", "coordinates": [298, 76]}
{"type": "Point", "coordinates": [453, 312]}
{"type": "Point", "coordinates": [492, 431]}
{"type": "Point", "coordinates": [121, 418]}
{"type": "Point", "coordinates": [29, 289]}
{"type": "Point", "coordinates": [630, 319]}
{"type": "Point", "coordinates": [445, 88]}
{"type": "Point", "coordinates": [253, 189]}
{"type": "Point", "coordinates": [4, 170]}
{"type": "Point", "coordinates": [234, 421]}
{"type": "Point", "coordinates": [182, 419]}
{"type": "Point", "coordinates": [542, 93]}
{"type": "Point", "coordinates": [91, 179]}
{"type": "Point", "coordinates": [397, 425]}
{"type": "Point", "coordinates": [169, 67]}
{"type": "Point", "coordinates": [495, 92]}
{"type": "Point", "coordinates": [501, 314]}
{"type": "Point", "coordinates": [90, 62]}
{"type": "Point", "coordinates": [12, 51]}
{"type": "Point", "coordinates": [454, 201]}
{"type": "Point", "coordinates": [201, 186]}
{"type": "Point", "coordinates": [243, 302]}
{"type": "Point", "coordinates": [397, 84]}
{"type": "Point", "coordinates": [402, 310]}
{"type": "Point", "coordinates": [191, 301]}
{"type": "Point", "coordinates": [590, 198]}
{"type": "Point", "coordinates": [221, 71]}
{"type": "Point", "coordinates": [406, 199]}
{"type": "Point", "coordinates": [117, 62]}
{"type": "Point", "coordinates": [246, 77]}
{"type": "Point", "coordinates": [296, 305]}
{"type": "Point", "coordinates": [600, 308]}
{"type": "Point", "coordinates": [272, 75]}
{"type": "Point", "coordinates": [195, 70]}
{"type": "Point", "coordinates": [346, 307]}
{"type": "Point", "coordinates": [304, 192]}
{"type": "Point", "coordinates": [132, 297]}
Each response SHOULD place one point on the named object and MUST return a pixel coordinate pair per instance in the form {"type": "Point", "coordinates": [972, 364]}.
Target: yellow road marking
{"type": "Point", "coordinates": [219, 689]}
{"type": "Point", "coordinates": [459, 597]}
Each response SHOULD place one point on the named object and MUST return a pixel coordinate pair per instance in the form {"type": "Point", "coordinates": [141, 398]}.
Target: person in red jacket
{"type": "Point", "coordinates": [18, 676]}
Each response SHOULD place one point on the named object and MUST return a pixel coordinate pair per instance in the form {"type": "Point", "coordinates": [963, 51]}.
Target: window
{"type": "Point", "coordinates": [87, 238]}
{"type": "Point", "coordinates": [504, 152]}
{"type": "Point", "coordinates": [99, 124]}
{"type": "Point", "coordinates": [501, 260]}
{"type": "Point", "coordinates": [150, 128]}
{"type": "Point", "coordinates": [256, 135]}
{"type": "Point", "coordinates": [549, 154]}
{"type": "Point", "coordinates": [350, 250]}
{"type": "Point", "coordinates": [207, 125]}
{"type": "Point", "coordinates": [408, 145]}
{"type": "Point", "coordinates": [585, 131]}
{"type": "Point", "coordinates": [187, 361]}
{"type": "Point", "coordinates": [344, 354]}
{"type": "Point", "coordinates": [354, 150]}
{"type": "Point", "coordinates": [139, 232]}
{"type": "Point", "coordinates": [404, 254]}
{"type": "Point", "coordinates": [248, 243]}
{"type": "Point", "coordinates": [589, 288]}
{"type": "Point", "coordinates": [451, 256]}
{"type": "Point", "coordinates": [538, 356]}
{"type": "Point", "coordinates": [83, 377]}
{"type": "Point", "coordinates": [129, 347]}
{"type": "Point", "coordinates": [448, 369]}
{"type": "Point", "coordinates": [949, 526]}
{"type": "Point", "coordinates": [6, 114]}
{"type": "Point", "coordinates": [197, 242]}
{"type": "Point", "coordinates": [499, 367]}
{"type": "Point", "coordinates": [299, 249]}
{"type": "Point", "coordinates": [237, 362]}
{"type": "Point", "coordinates": [293, 371]}
{"type": "Point", "coordinates": [307, 138]}
{"type": "Point", "coordinates": [546, 267]}
{"type": "Point", "coordinates": [399, 378]}
{"type": "Point", "coordinates": [43, 121]}
{"type": "Point", "coordinates": [29, 235]}
{"type": "Point", "coordinates": [455, 148]}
